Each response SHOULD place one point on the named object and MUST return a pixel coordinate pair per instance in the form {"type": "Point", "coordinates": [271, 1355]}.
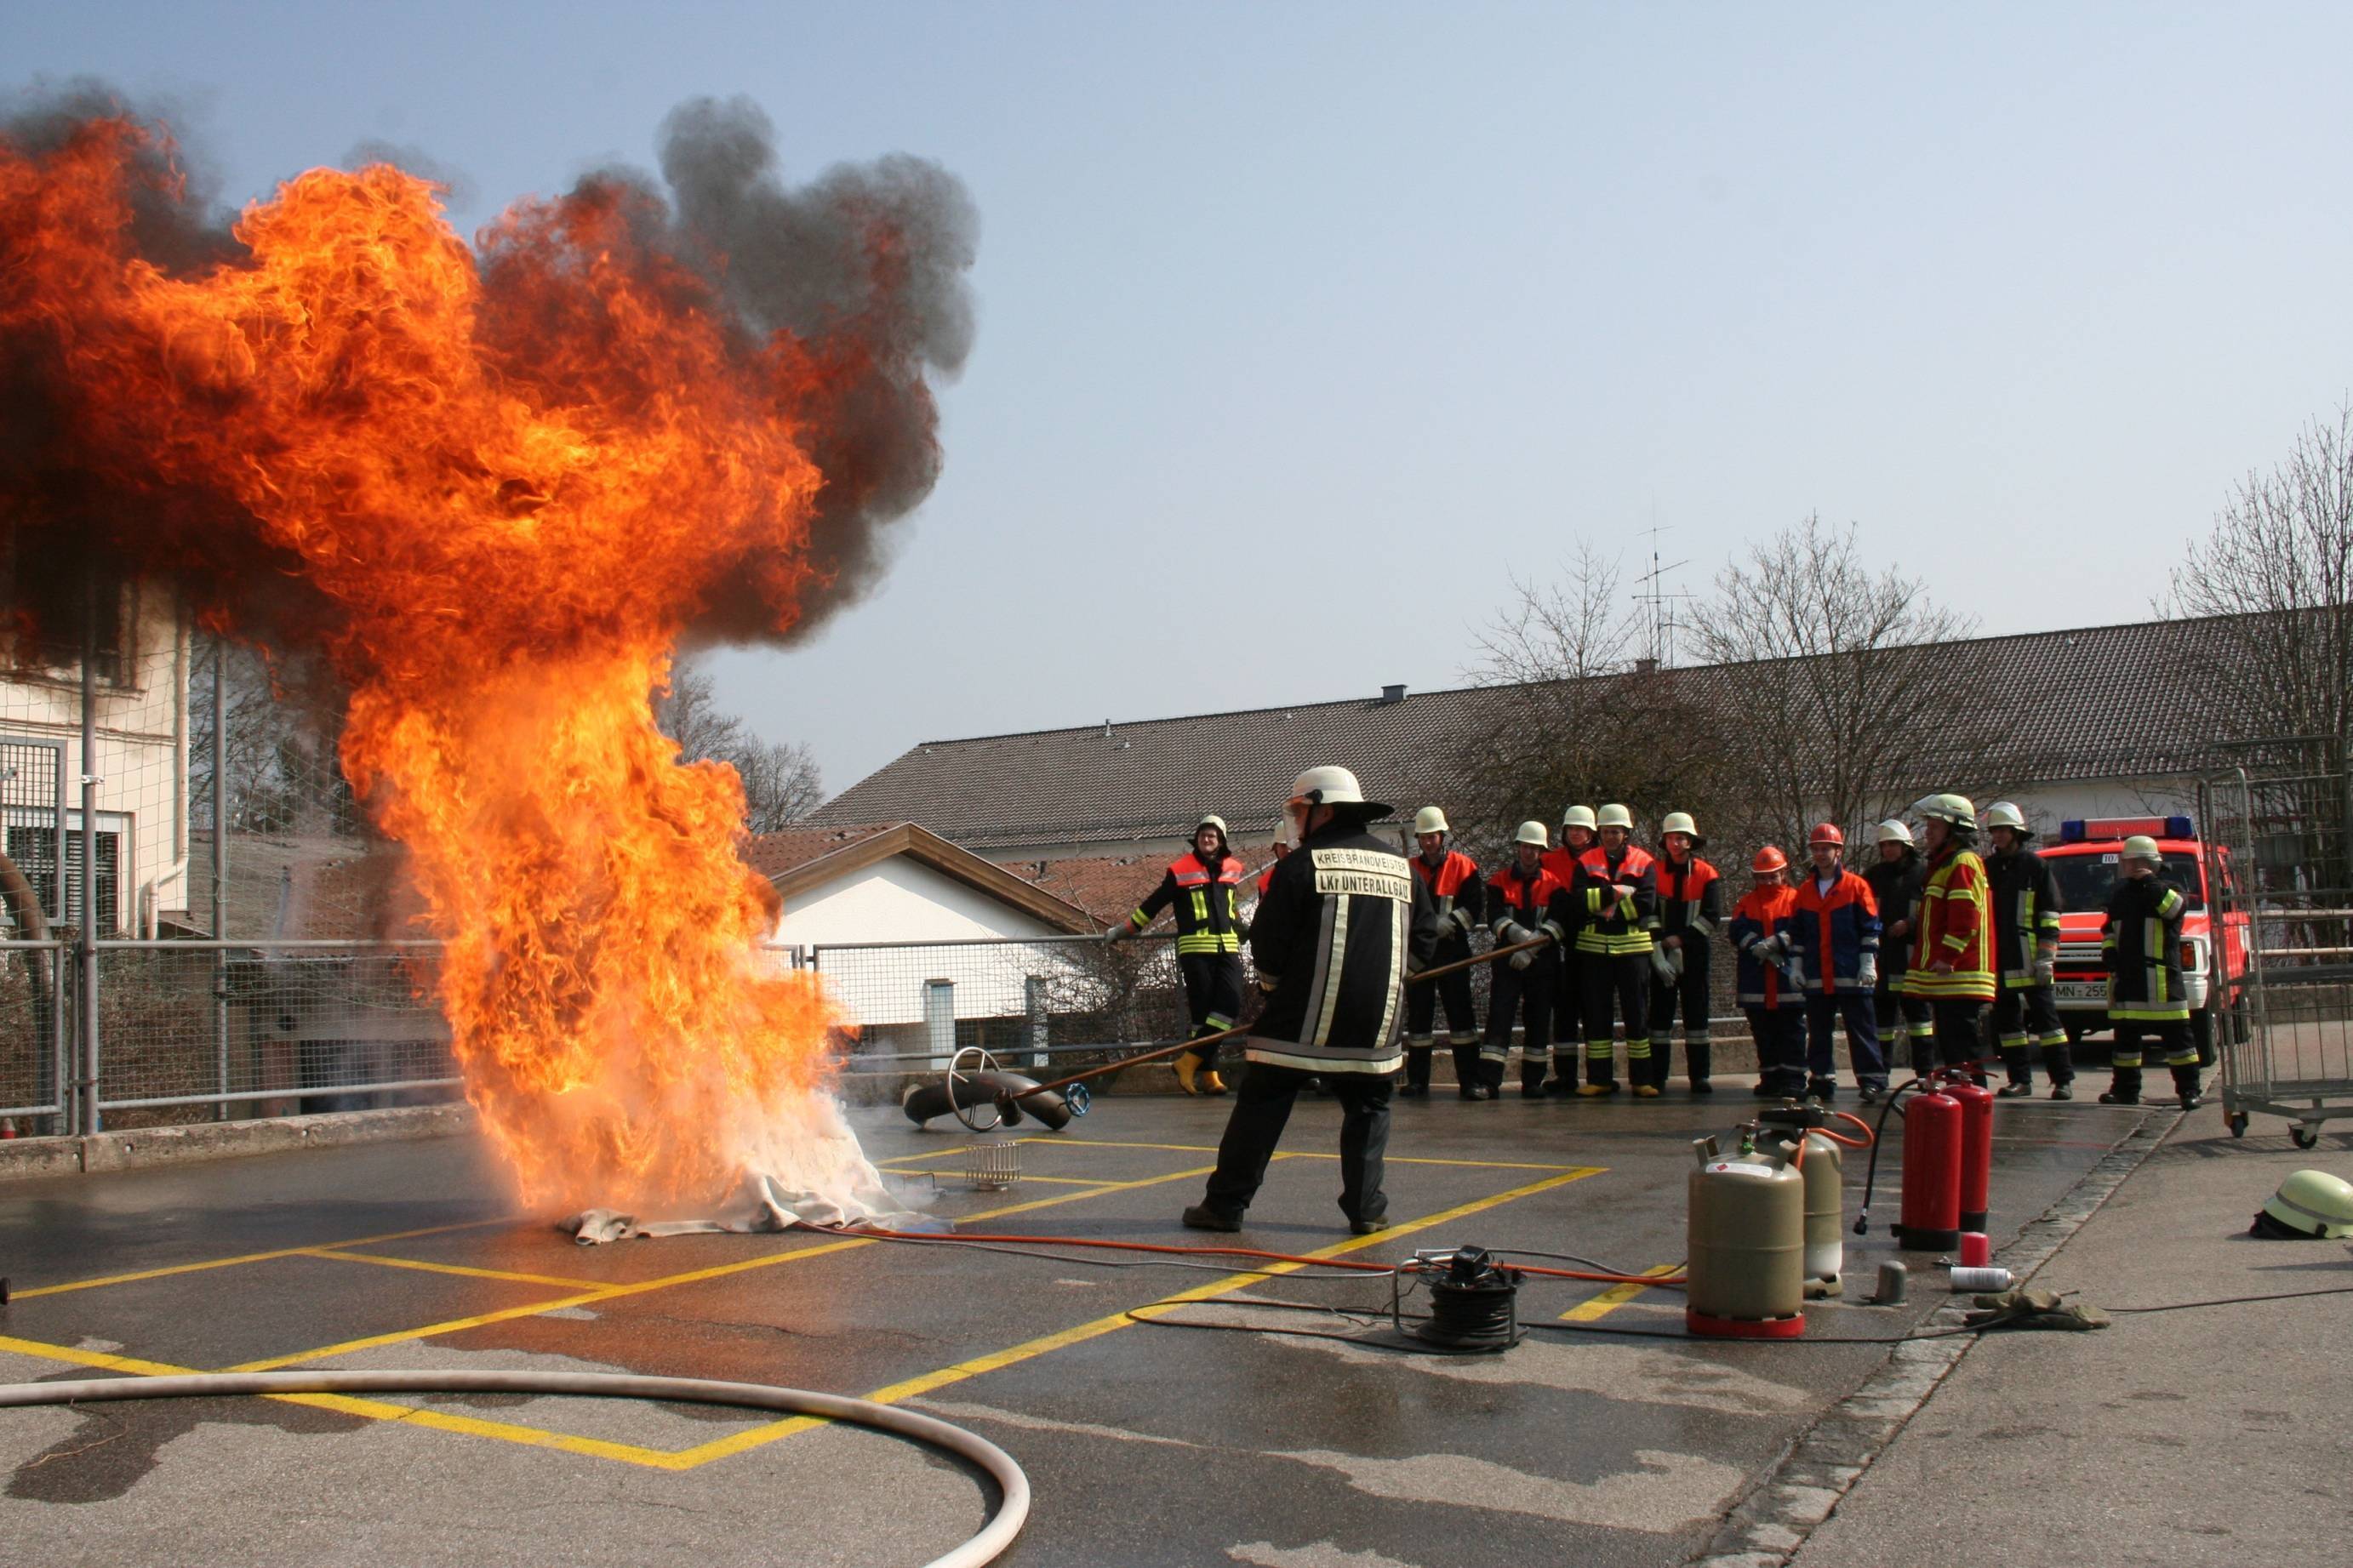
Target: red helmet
{"type": "Point", "coordinates": [1770, 858]}
{"type": "Point", "coordinates": [1828, 833]}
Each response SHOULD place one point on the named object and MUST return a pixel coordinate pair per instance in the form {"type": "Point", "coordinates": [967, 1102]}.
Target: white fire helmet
{"type": "Point", "coordinates": [1334, 786]}
{"type": "Point", "coordinates": [1615, 816]}
{"type": "Point", "coordinates": [1893, 832]}
{"type": "Point", "coordinates": [1955, 809]}
{"type": "Point", "coordinates": [2309, 1204]}
{"type": "Point", "coordinates": [2141, 847]}
{"type": "Point", "coordinates": [1578, 816]}
{"type": "Point", "coordinates": [1681, 822]}
{"type": "Point", "coordinates": [1532, 833]}
{"type": "Point", "coordinates": [2004, 814]}
{"type": "Point", "coordinates": [1211, 819]}
{"type": "Point", "coordinates": [1430, 819]}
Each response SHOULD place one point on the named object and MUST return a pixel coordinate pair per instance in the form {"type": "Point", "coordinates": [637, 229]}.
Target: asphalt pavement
{"type": "Point", "coordinates": [1146, 1442]}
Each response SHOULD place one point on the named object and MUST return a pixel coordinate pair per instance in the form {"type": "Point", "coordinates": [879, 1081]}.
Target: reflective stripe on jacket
{"type": "Point", "coordinates": [1203, 897]}
{"type": "Point", "coordinates": [1605, 922]}
{"type": "Point", "coordinates": [1760, 912]}
{"type": "Point", "coordinates": [2025, 896]}
{"type": "Point", "coordinates": [1341, 921]}
{"type": "Point", "coordinates": [1530, 903]}
{"type": "Point", "coordinates": [1953, 926]}
{"type": "Point", "coordinates": [1691, 897]}
{"type": "Point", "coordinates": [1458, 894]}
{"type": "Point", "coordinates": [1832, 930]}
{"type": "Point", "coordinates": [2140, 937]}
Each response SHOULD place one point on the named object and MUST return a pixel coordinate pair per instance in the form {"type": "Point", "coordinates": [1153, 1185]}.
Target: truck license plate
{"type": "Point", "coordinates": [2082, 991]}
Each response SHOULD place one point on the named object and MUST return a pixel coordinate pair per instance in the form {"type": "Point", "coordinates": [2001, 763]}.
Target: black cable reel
{"type": "Point", "coordinates": [1473, 1301]}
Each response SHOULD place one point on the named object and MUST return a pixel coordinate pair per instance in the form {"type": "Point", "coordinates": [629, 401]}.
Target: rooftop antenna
{"type": "Point", "coordinates": [1660, 599]}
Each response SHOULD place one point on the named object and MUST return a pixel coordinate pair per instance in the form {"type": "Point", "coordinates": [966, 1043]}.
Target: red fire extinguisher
{"type": "Point", "coordinates": [1977, 1146]}
{"type": "Point", "coordinates": [1933, 1134]}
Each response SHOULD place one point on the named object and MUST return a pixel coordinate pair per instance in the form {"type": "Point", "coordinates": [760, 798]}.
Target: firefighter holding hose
{"type": "Point", "coordinates": [1200, 885]}
{"type": "Point", "coordinates": [1344, 921]}
{"type": "Point", "coordinates": [1523, 904]}
{"type": "Point", "coordinates": [1453, 879]}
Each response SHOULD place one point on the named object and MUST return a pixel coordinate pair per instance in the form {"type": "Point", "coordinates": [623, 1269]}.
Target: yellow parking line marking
{"type": "Point", "coordinates": [371, 1409]}
{"type": "Point", "coordinates": [419, 1263]}
{"type": "Point", "coordinates": [722, 1448]}
{"type": "Point", "coordinates": [1310, 1154]}
{"type": "Point", "coordinates": [639, 1288]}
{"type": "Point", "coordinates": [247, 1258]}
{"type": "Point", "coordinates": [1600, 1305]}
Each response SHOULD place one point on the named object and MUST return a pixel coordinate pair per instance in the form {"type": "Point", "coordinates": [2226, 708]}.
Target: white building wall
{"type": "Point", "coordinates": [901, 900]}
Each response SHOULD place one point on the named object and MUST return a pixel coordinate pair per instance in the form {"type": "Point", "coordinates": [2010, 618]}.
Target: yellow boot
{"type": "Point", "coordinates": [1211, 1083]}
{"type": "Point", "coordinates": [1188, 1065]}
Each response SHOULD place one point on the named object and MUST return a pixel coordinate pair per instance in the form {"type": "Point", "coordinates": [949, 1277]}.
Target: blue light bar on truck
{"type": "Point", "coordinates": [2078, 830]}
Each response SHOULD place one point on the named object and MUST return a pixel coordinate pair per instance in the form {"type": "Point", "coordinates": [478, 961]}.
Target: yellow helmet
{"type": "Point", "coordinates": [1532, 833]}
{"type": "Point", "coordinates": [2141, 847]}
{"type": "Point", "coordinates": [1430, 819]}
{"type": "Point", "coordinates": [1615, 816]}
{"type": "Point", "coordinates": [1955, 809]}
{"type": "Point", "coordinates": [2309, 1204]}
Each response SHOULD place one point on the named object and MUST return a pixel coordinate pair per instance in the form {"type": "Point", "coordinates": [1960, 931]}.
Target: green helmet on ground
{"type": "Point", "coordinates": [2309, 1205]}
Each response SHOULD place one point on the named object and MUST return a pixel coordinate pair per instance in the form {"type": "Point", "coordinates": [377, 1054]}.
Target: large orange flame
{"type": "Point", "coordinates": [514, 477]}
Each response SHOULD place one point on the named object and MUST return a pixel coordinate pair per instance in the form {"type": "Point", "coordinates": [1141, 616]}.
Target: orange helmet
{"type": "Point", "coordinates": [1770, 858]}
{"type": "Point", "coordinates": [1827, 832]}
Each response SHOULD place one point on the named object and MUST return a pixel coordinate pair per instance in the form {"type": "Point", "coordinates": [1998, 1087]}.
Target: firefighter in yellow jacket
{"type": "Point", "coordinates": [2141, 939]}
{"type": "Point", "coordinates": [1952, 941]}
{"type": "Point", "coordinates": [1200, 887]}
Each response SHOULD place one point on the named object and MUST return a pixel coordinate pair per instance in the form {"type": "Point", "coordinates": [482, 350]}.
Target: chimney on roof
{"type": "Point", "coordinates": [1106, 728]}
{"type": "Point", "coordinates": [1646, 667]}
{"type": "Point", "coordinates": [1392, 695]}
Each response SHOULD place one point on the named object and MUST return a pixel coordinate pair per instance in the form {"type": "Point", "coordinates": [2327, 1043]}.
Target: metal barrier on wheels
{"type": "Point", "coordinates": [2280, 859]}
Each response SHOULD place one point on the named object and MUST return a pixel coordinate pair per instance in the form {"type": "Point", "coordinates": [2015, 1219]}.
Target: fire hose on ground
{"type": "Point", "coordinates": [986, 1546]}
{"type": "Point", "coordinates": [1007, 1092]}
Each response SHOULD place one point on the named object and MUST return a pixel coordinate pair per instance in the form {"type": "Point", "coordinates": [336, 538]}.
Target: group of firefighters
{"type": "Point", "coordinates": [1357, 946]}
{"type": "Point", "coordinates": [1904, 957]}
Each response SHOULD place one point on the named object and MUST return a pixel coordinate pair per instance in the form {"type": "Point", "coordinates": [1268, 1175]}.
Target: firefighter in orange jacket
{"type": "Point", "coordinates": [1452, 879]}
{"type": "Point", "coordinates": [1616, 899]}
{"type": "Point", "coordinates": [1523, 904]}
{"type": "Point", "coordinates": [1576, 835]}
{"type": "Point", "coordinates": [1952, 941]}
{"type": "Point", "coordinates": [1691, 911]}
{"type": "Point", "coordinates": [1837, 938]}
{"type": "Point", "coordinates": [1200, 887]}
{"type": "Point", "coordinates": [1771, 990]}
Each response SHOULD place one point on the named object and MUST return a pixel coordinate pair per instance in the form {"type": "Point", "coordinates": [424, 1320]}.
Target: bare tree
{"type": "Point", "coordinates": [781, 783]}
{"type": "Point", "coordinates": [2278, 567]}
{"type": "Point", "coordinates": [1842, 692]}
{"type": "Point", "coordinates": [1570, 714]}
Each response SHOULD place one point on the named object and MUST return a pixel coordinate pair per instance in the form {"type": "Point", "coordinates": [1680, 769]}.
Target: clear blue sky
{"type": "Point", "coordinates": [1302, 326]}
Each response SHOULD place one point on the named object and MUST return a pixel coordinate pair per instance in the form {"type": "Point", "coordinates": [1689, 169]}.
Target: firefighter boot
{"type": "Point", "coordinates": [1492, 1078]}
{"type": "Point", "coordinates": [2015, 1062]}
{"type": "Point", "coordinates": [2126, 1088]}
{"type": "Point", "coordinates": [1532, 1075]}
{"type": "Point", "coordinates": [2185, 1084]}
{"type": "Point", "coordinates": [1696, 1058]}
{"type": "Point", "coordinates": [1564, 1073]}
{"type": "Point", "coordinates": [1470, 1074]}
{"type": "Point", "coordinates": [1188, 1071]}
{"type": "Point", "coordinates": [1417, 1074]}
{"type": "Point", "coordinates": [2059, 1067]}
{"type": "Point", "coordinates": [1211, 1083]}
{"type": "Point", "coordinates": [1600, 1069]}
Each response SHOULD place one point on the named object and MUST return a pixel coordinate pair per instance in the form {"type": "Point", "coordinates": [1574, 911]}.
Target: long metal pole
{"type": "Point", "coordinates": [90, 1121]}
{"type": "Point", "coordinates": [220, 863]}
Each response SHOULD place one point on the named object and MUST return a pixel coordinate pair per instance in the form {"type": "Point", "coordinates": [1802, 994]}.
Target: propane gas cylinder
{"type": "Point", "coordinates": [1747, 1243]}
{"type": "Point", "coordinates": [1977, 1147]}
{"type": "Point", "coordinates": [1932, 1174]}
{"type": "Point", "coordinates": [1823, 1168]}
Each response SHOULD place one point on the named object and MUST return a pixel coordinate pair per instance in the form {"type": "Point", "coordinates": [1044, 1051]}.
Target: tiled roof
{"type": "Point", "coordinates": [2091, 703]}
{"type": "Point", "coordinates": [789, 848]}
{"type": "Point", "coordinates": [1105, 885]}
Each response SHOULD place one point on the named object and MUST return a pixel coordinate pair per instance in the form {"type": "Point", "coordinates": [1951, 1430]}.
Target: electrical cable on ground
{"type": "Point", "coordinates": [989, 1543]}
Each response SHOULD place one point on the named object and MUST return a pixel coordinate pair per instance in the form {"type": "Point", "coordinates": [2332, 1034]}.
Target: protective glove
{"type": "Point", "coordinates": [1511, 933]}
{"type": "Point", "coordinates": [1675, 957]}
{"type": "Point", "coordinates": [1662, 964]}
{"type": "Point", "coordinates": [1866, 973]}
{"type": "Point", "coordinates": [1114, 932]}
{"type": "Point", "coordinates": [1770, 948]}
{"type": "Point", "coordinates": [2046, 964]}
{"type": "Point", "coordinates": [2023, 1308]}
{"type": "Point", "coordinates": [1522, 960]}
{"type": "Point", "coordinates": [1460, 917]}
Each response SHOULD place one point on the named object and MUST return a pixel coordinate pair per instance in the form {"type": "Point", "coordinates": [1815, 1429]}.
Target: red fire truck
{"type": "Point", "coordinates": [2084, 861]}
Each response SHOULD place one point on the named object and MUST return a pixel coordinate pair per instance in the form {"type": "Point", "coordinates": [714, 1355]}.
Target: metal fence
{"type": "Point", "coordinates": [2280, 855]}
{"type": "Point", "coordinates": [214, 945]}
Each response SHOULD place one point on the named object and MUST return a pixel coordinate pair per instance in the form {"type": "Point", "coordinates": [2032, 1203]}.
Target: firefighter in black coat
{"type": "Point", "coordinates": [1200, 886]}
{"type": "Point", "coordinates": [1343, 922]}
{"type": "Point", "coordinates": [2140, 937]}
{"type": "Point", "coordinates": [1617, 901]}
{"type": "Point", "coordinates": [2025, 896]}
{"type": "Point", "coordinates": [1906, 1028]}
{"type": "Point", "coordinates": [1454, 884]}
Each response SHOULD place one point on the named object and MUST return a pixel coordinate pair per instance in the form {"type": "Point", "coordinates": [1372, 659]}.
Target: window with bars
{"type": "Point", "coordinates": [35, 849]}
